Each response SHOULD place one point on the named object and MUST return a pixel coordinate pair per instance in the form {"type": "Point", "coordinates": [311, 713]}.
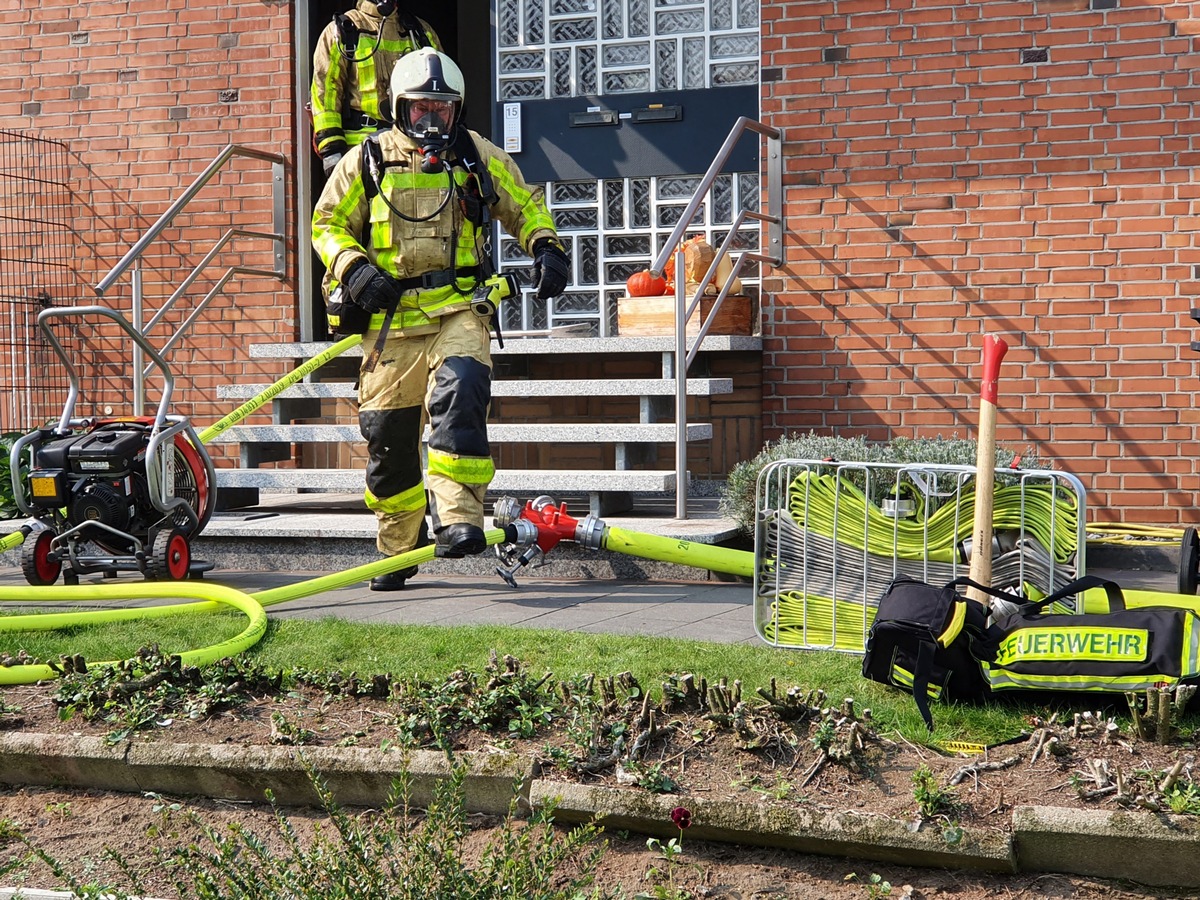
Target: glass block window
{"type": "Point", "coordinates": [615, 227]}
{"type": "Point", "coordinates": [623, 46]}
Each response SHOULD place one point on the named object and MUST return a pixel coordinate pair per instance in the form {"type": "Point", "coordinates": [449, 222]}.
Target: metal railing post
{"type": "Point", "coordinates": [139, 376]}
{"type": "Point", "coordinates": [775, 198]}
{"type": "Point", "coordinates": [680, 373]}
{"type": "Point", "coordinates": [279, 214]}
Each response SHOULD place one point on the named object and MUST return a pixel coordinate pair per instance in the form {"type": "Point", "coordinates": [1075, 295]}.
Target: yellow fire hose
{"type": "Point", "coordinates": [214, 597]}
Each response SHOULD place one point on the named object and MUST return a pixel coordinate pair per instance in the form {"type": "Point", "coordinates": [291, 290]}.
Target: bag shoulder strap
{"type": "Point", "coordinates": [921, 672]}
{"type": "Point", "coordinates": [1116, 599]}
{"type": "Point", "coordinates": [964, 581]}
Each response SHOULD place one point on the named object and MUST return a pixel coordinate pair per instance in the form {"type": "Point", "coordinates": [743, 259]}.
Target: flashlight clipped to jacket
{"type": "Point", "coordinates": [485, 302]}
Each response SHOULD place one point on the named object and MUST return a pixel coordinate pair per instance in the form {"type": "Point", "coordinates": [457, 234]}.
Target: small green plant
{"type": "Point", "coordinates": [1184, 799]}
{"type": "Point", "coordinates": [875, 886]}
{"type": "Point", "coordinates": [397, 853]}
{"type": "Point", "coordinates": [823, 734]}
{"type": "Point", "coordinates": [152, 688]}
{"type": "Point", "coordinates": [953, 834]}
{"type": "Point", "coordinates": [653, 778]}
{"type": "Point", "coordinates": [932, 799]}
{"type": "Point", "coordinates": [286, 732]}
{"type": "Point", "coordinates": [60, 809]}
{"type": "Point", "coordinates": [781, 791]}
{"type": "Point", "coordinates": [664, 878]}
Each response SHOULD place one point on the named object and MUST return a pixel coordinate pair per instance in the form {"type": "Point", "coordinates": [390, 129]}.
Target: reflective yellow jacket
{"type": "Point", "coordinates": [346, 227]}
{"type": "Point", "coordinates": [343, 87]}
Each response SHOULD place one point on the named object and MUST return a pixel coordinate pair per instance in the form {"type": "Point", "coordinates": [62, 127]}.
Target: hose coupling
{"type": "Point", "coordinates": [1002, 542]}
{"type": "Point", "coordinates": [505, 511]}
{"type": "Point", "coordinates": [589, 533]}
{"type": "Point", "coordinates": [520, 533]}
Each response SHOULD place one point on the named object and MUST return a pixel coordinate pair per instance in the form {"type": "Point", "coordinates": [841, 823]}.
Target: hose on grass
{"type": "Point", "coordinates": [211, 598]}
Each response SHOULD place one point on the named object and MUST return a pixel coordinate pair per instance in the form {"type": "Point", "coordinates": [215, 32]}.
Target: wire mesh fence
{"type": "Point", "coordinates": [36, 253]}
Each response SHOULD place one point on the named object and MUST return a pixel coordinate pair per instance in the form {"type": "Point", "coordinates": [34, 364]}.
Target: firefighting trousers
{"type": "Point", "coordinates": [444, 378]}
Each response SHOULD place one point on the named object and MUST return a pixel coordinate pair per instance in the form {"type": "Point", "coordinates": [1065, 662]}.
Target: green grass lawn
{"type": "Point", "coordinates": [432, 652]}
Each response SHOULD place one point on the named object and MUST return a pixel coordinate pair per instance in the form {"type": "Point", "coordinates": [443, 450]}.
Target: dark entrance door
{"type": "Point", "coordinates": [463, 29]}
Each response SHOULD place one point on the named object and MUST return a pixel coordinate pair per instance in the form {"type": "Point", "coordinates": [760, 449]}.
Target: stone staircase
{"type": "Point", "coordinates": [574, 423]}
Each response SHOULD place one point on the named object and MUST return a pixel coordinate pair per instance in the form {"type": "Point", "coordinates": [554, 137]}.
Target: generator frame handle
{"type": "Point", "coordinates": [162, 432]}
{"type": "Point", "coordinates": [58, 312]}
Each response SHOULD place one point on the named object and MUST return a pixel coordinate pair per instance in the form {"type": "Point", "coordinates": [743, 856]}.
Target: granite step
{"type": "Point", "coordinates": [590, 387]}
{"type": "Point", "coordinates": [717, 343]}
{"type": "Point", "coordinates": [583, 433]}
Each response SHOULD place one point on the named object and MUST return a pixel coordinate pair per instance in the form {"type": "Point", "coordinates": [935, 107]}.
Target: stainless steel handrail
{"type": "Point", "coordinates": [132, 257]}
{"type": "Point", "coordinates": [773, 218]}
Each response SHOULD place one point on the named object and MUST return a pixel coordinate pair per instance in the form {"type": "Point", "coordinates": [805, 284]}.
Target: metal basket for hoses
{"type": "Point", "coordinates": [830, 537]}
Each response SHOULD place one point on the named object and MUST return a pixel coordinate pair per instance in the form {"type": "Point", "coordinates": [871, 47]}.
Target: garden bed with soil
{"type": "Point", "coordinates": [694, 741]}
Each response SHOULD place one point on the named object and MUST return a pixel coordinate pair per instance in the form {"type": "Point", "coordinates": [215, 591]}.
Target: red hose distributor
{"type": "Point", "coordinates": [539, 526]}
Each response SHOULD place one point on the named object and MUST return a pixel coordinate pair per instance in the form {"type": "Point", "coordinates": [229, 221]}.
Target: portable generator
{"type": "Point", "coordinates": [111, 495]}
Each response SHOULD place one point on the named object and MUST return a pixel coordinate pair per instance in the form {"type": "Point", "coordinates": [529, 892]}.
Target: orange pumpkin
{"type": "Point", "coordinates": [645, 284]}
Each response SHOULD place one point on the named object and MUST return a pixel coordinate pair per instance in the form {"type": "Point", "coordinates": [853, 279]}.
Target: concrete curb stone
{"type": "Point", "coordinates": [1142, 846]}
{"type": "Point", "coordinates": [1139, 846]}
{"type": "Point", "coordinates": [828, 833]}
{"type": "Point", "coordinates": [356, 776]}
{"type": "Point", "coordinates": [807, 831]}
{"type": "Point", "coordinates": [65, 760]}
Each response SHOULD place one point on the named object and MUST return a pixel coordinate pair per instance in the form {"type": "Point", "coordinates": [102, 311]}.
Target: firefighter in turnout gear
{"type": "Point", "coordinates": [404, 225]}
{"type": "Point", "coordinates": [352, 68]}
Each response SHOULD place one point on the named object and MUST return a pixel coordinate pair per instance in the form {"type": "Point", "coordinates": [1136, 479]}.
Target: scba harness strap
{"type": "Point", "coordinates": [466, 156]}
{"type": "Point", "coordinates": [346, 318]}
{"type": "Point", "coordinates": [348, 34]}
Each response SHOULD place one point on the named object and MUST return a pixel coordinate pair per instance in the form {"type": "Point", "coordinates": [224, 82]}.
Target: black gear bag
{"type": "Point", "coordinates": [938, 645]}
{"type": "Point", "coordinates": [1124, 649]}
{"type": "Point", "coordinates": [928, 641]}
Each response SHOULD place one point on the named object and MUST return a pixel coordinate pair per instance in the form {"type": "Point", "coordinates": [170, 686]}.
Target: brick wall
{"type": "Point", "coordinates": [954, 168]}
{"type": "Point", "coordinates": [144, 95]}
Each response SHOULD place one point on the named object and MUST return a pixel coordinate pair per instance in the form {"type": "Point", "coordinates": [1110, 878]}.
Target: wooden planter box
{"type": "Point", "coordinates": [645, 316]}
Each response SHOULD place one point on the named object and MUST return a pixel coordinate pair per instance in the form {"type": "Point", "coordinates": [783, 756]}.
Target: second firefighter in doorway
{"type": "Point", "coordinates": [404, 225]}
{"type": "Point", "coordinates": [352, 69]}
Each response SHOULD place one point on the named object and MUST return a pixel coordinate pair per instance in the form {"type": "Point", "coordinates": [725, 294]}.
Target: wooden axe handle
{"type": "Point", "coordinates": [994, 349]}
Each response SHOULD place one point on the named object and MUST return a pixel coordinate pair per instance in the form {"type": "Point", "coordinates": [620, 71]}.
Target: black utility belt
{"type": "Point", "coordinates": [357, 120]}
{"type": "Point", "coordinates": [437, 279]}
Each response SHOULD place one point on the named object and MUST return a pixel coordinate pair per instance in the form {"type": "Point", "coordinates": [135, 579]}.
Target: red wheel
{"type": "Point", "coordinates": [171, 556]}
{"type": "Point", "coordinates": [36, 563]}
{"type": "Point", "coordinates": [191, 481]}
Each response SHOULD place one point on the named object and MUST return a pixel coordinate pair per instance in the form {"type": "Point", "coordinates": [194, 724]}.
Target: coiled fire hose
{"type": "Point", "coordinates": [830, 556]}
{"type": "Point", "coordinates": [840, 510]}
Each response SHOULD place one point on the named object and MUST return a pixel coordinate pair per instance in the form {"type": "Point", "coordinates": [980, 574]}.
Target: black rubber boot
{"type": "Point", "coordinates": [459, 540]}
{"type": "Point", "coordinates": [394, 581]}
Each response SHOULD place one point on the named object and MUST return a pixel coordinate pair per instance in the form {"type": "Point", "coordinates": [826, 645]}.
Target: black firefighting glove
{"type": "Point", "coordinates": [551, 267]}
{"type": "Point", "coordinates": [370, 287]}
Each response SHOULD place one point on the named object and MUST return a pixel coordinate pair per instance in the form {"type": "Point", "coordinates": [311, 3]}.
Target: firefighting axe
{"type": "Point", "coordinates": [994, 349]}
